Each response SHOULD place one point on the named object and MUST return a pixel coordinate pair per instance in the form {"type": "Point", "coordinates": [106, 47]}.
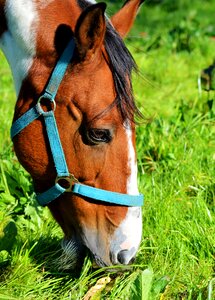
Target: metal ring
{"type": "Point", "coordinates": [52, 101]}
{"type": "Point", "coordinates": [66, 182]}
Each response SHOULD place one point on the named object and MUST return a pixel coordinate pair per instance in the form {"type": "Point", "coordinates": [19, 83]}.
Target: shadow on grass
{"type": "Point", "coordinates": [44, 253]}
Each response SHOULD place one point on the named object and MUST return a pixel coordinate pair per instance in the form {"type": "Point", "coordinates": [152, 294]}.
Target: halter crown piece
{"type": "Point", "coordinates": [63, 175]}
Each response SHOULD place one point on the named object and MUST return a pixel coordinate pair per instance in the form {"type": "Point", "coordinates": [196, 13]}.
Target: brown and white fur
{"type": "Point", "coordinates": [33, 33]}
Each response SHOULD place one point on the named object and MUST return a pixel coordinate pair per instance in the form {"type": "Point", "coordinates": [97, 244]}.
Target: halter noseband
{"type": "Point", "coordinates": [63, 175]}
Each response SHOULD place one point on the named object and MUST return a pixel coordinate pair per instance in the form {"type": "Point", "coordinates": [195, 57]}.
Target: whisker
{"type": "Point", "coordinates": [69, 257]}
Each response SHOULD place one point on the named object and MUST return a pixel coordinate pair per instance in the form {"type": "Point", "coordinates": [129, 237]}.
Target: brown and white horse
{"type": "Point", "coordinates": [94, 113]}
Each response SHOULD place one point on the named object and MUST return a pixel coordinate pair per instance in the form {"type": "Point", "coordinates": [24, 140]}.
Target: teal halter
{"type": "Point", "coordinates": [63, 175]}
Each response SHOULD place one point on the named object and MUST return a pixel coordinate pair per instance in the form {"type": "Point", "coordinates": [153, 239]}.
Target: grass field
{"type": "Point", "coordinates": [172, 42]}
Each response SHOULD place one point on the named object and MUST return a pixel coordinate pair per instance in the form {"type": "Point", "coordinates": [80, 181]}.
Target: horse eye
{"type": "Point", "coordinates": [96, 136]}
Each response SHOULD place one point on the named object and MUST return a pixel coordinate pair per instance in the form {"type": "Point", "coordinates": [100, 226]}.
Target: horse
{"type": "Point", "coordinates": [74, 119]}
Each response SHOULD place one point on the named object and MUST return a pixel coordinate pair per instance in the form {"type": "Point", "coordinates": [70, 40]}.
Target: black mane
{"type": "Point", "coordinates": [121, 64]}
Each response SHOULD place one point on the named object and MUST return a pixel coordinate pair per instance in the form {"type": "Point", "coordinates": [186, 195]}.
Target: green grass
{"type": "Point", "coordinates": [171, 42]}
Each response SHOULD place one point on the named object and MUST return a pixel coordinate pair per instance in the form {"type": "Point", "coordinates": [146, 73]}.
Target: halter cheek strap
{"type": "Point", "coordinates": [65, 182]}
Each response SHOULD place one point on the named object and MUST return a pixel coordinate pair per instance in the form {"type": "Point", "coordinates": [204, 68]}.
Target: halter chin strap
{"type": "Point", "coordinates": [65, 182]}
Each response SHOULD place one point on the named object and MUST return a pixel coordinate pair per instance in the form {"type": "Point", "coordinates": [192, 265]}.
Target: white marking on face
{"type": "Point", "coordinates": [19, 42]}
{"type": "Point", "coordinates": [128, 235]}
{"type": "Point", "coordinates": [92, 1]}
{"type": "Point", "coordinates": [132, 188]}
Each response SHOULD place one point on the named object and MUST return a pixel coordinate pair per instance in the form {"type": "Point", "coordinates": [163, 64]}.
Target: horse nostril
{"type": "Point", "coordinates": [125, 257]}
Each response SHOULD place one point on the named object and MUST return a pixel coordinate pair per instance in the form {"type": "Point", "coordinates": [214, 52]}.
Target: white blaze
{"type": "Point", "coordinates": [19, 42]}
{"type": "Point", "coordinates": [132, 188]}
{"type": "Point", "coordinates": [92, 1]}
{"type": "Point", "coordinates": [128, 235]}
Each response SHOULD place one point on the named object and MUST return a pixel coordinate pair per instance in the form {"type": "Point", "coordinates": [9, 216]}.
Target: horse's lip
{"type": "Point", "coordinates": [97, 260]}
{"type": "Point", "coordinates": [99, 263]}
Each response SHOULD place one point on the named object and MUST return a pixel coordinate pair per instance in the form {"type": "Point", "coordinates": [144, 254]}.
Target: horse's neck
{"type": "Point", "coordinates": [18, 39]}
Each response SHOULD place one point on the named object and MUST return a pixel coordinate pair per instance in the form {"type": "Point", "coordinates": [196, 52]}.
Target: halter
{"type": "Point", "coordinates": [65, 182]}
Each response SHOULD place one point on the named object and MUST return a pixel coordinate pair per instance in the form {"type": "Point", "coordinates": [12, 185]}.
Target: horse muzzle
{"type": "Point", "coordinates": [119, 248]}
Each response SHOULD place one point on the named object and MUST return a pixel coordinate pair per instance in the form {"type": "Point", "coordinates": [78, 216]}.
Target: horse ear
{"type": "Point", "coordinates": [90, 30]}
{"type": "Point", "coordinates": [124, 18]}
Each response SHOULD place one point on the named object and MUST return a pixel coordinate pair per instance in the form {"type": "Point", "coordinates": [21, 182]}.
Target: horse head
{"type": "Point", "coordinates": [94, 114]}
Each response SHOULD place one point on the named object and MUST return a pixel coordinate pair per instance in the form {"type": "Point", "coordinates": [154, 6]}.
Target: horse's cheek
{"type": "Point", "coordinates": [31, 150]}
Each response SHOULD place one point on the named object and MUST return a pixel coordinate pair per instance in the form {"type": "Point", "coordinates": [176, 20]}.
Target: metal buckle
{"type": "Point", "coordinates": [50, 105]}
{"type": "Point", "coordinates": [66, 182]}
